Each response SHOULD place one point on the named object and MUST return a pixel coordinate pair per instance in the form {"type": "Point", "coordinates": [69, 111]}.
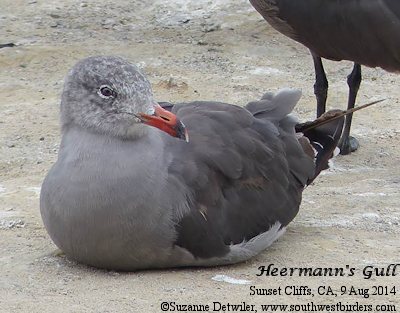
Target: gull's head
{"type": "Point", "coordinates": [109, 95]}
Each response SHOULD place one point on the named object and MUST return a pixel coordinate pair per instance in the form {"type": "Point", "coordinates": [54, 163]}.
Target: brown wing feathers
{"type": "Point", "coordinates": [245, 184]}
{"type": "Point", "coordinates": [246, 170]}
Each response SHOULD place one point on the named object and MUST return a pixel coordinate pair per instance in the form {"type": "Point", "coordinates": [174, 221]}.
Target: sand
{"type": "Point", "coordinates": [209, 50]}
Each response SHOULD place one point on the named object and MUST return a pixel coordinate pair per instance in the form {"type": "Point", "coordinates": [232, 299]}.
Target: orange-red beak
{"type": "Point", "coordinates": [166, 121]}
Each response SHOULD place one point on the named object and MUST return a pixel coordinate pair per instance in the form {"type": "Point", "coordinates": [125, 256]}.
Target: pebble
{"type": "Point", "coordinates": [108, 23]}
{"type": "Point", "coordinates": [207, 28]}
{"type": "Point", "coordinates": [372, 217]}
{"type": "Point", "coordinates": [54, 24]}
{"type": "Point", "coordinates": [12, 224]}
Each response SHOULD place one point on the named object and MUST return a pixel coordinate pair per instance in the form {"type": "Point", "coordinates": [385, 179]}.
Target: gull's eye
{"type": "Point", "coordinates": [106, 92]}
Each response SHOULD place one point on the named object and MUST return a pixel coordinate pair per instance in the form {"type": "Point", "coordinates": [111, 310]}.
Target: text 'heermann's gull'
{"type": "Point", "coordinates": [365, 32]}
{"type": "Point", "coordinates": [125, 195]}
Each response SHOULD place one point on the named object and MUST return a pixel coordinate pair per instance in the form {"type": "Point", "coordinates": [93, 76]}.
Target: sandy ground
{"type": "Point", "coordinates": [219, 50]}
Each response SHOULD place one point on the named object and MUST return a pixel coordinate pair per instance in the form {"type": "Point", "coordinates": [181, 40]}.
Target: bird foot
{"type": "Point", "coordinates": [348, 145]}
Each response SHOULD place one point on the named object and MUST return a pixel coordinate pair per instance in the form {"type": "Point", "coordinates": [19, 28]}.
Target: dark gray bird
{"type": "Point", "coordinates": [125, 195]}
{"type": "Point", "coordinates": [366, 32]}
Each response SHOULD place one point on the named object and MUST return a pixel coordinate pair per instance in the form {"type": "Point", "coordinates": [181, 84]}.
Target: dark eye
{"type": "Point", "coordinates": [106, 92]}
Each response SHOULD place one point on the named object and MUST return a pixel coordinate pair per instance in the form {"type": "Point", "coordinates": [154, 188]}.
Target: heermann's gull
{"type": "Point", "coordinates": [124, 195]}
{"type": "Point", "coordinates": [365, 32]}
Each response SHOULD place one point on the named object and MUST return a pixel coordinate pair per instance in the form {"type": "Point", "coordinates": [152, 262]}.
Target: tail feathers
{"type": "Point", "coordinates": [275, 106]}
{"type": "Point", "coordinates": [324, 134]}
{"type": "Point", "coordinates": [324, 138]}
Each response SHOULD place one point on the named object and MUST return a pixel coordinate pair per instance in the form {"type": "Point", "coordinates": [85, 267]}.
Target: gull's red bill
{"type": "Point", "coordinates": [166, 121]}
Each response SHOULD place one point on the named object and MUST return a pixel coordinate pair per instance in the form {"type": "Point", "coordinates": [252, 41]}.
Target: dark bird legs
{"type": "Point", "coordinates": [321, 85]}
{"type": "Point", "coordinates": [347, 143]}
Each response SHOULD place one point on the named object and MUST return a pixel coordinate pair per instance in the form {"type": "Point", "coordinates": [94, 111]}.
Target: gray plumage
{"type": "Point", "coordinates": [366, 32]}
{"type": "Point", "coordinates": [125, 196]}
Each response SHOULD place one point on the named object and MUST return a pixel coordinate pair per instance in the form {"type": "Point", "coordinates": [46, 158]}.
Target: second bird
{"type": "Point", "coordinates": [366, 32]}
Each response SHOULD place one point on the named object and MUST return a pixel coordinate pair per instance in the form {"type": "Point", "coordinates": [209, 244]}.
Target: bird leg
{"type": "Point", "coordinates": [321, 85]}
{"type": "Point", "coordinates": [348, 143]}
